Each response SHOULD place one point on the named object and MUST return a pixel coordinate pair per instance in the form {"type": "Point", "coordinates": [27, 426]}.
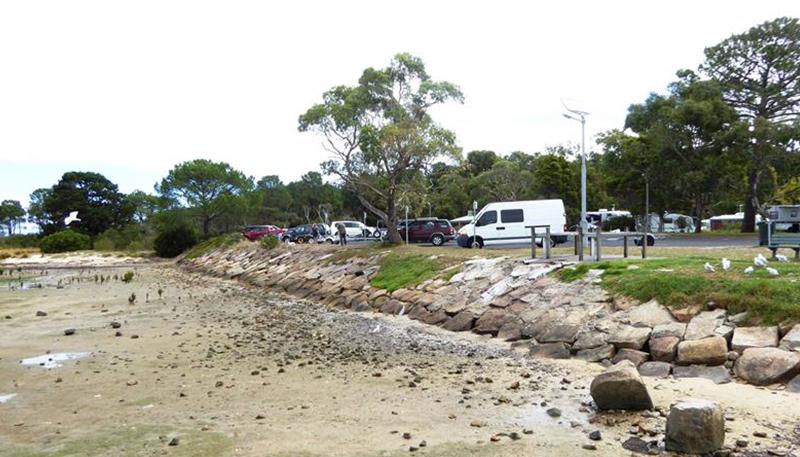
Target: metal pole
{"type": "Point", "coordinates": [584, 223]}
{"type": "Point", "coordinates": [597, 242]}
{"type": "Point", "coordinates": [580, 244]}
{"type": "Point", "coordinates": [647, 215]}
{"type": "Point", "coordinates": [406, 224]}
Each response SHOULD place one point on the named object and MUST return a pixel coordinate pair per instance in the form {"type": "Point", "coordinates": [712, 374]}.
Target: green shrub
{"type": "Point", "coordinates": [65, 241]}
{"type": "Point", "coordinates": [127, 277]}
{"type": "Point", "coordinates": [134, 237]}
{"type": "Point", "coordinates": [619, 223]}
{"type": "Point", "coordinates": [19, 241]}
{"type": "Point", "coordinates": [174, 240]}
{"type": "Point", "coordinates": [269, 242]}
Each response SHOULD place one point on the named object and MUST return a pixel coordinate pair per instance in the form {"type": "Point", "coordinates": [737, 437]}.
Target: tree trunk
{"type": "Point", "coordinates": [391, 224]}
{"type": "Point", "coordinates": [206, 223]}
{"type": "Point", "coordinates": [749, 221]}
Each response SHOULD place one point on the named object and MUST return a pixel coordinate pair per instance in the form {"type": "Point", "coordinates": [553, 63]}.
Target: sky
{"type": "Point", "coordinates": [129, 89]}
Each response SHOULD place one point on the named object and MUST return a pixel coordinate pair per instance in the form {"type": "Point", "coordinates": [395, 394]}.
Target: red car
{"type": "Point", "coordinates": [255, 232]}
{"type": "Point", "coordinates": [428, 230]}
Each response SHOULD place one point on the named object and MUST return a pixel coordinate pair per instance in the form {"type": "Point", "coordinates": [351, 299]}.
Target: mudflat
{"type": "Point", "coordinates": [213, 367]}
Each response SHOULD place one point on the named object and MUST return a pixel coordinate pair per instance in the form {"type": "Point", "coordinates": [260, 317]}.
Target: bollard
{"type": "Point", "coordinates": [625, 246]}
{"type": "Point", "coordinates": [644, 245]}
{"type": "Point", "coordinates": [533, 242]}
{"type": "Point", "coordinates": [580, 244]}
{"type": "Point", "coordinates": [598, 242]}
{"type": "Point", "coordinates": [546, 242]}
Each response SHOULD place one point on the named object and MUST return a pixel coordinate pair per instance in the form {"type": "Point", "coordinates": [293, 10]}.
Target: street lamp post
{"type": "Point", "coordinates": [581, 117]}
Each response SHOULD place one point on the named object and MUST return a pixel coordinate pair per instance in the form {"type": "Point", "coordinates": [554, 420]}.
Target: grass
{"type": "Point", "coordinates": [221, 241]}
{"type": "Point", "coordinates": [8, 253]}
{"type": "Point", "coordinates": [400, 271]}
{"type": "Point", "coordinates": [682, 281]}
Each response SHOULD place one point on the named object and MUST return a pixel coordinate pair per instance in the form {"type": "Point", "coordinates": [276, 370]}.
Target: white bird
{"type": "Point", "coordinates": [760, 261]}
{"type": "Point", "coordinates": [709, 268]}
{"type": "Point", "coordinates": [376, 329]}
{"type": "Point", "coordinates": [781, 258]}
{"type": "Point", "coordinates": [748, 270]}
{"type": "Point", "coordinates": [726, 264]}
{"type": "Point", "coordinates": [772, 271]}
{"type": "Point", "coordinates": [402, 311]}
{"type": "Point", "coordinates": [73, 217]}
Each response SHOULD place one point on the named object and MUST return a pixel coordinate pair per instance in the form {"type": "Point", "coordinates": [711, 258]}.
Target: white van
{"type": "Point", "coordinates": [355, 229]}
{"type": "Point", "coordinates": [505, 222]}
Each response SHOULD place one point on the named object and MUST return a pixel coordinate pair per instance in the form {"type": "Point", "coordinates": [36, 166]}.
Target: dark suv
{"type": "Point", "coordinates": [299, 234]}
{"type": "Point", "coordinates": [434, 231]}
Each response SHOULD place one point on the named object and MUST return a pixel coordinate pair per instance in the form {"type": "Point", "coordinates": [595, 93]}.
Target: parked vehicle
{"type": "Point", "coordinates": [427, 230]}
{"type": "Point", "coordinates": [255, 232]}
{"type": "Point", "coordinates": [299, 234]}
{"type": "Point", "coordinates": [356, 229]}
{"type": "Point", "coordinates": [505, 223]}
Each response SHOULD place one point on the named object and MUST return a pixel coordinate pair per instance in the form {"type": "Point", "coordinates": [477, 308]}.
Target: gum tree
{"type": "Point", "coordinates": [380, 133]}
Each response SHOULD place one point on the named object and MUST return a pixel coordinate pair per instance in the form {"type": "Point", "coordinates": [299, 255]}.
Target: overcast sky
{"type": "Point", "coordinates": [129, 89]}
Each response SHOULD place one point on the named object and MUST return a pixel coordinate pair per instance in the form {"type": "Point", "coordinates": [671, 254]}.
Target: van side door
{"type": "Point", "coordinates": [487, 228]}
{"type": "Point", "coordinates": [513, 219]}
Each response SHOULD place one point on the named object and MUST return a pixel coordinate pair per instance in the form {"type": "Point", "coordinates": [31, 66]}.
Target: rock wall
{"type": "Point", "coordinates": [519, 302]}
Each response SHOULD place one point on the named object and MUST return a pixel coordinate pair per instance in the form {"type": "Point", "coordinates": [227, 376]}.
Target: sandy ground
{"type": "Point", "coordinates": [217, 368]}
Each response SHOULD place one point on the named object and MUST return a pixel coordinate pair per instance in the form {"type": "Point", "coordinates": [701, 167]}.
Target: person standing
{"type": "Point", "coordinates": [342, 234]}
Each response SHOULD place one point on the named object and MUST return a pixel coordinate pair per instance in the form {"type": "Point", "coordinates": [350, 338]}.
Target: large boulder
{"type": "Point", "coordinates": [590, 339]}
{"type": "Point", "coordinates": [629, 337]}
{"type": "Point", "coordinates": [461, 322]}
{"type": "Point", "coordinates": [649, 314]}
{"type": "Point", "coordinates": [791, 341]}
{"type": "Point", "coordinates": [707, 351]}
{"type": "Point", "coordinates": [663, 349]}
{"type": "Point", "coordinates": [704, 324]}
{"type": "Point", "coordinates": [491, 321]}
{"type": "Point", "coordinates": [596, 354]}
{"type": "Point", "coordinates": [717, 374]}
{"type": "Point", "coordinates": [620, 387]}
{"type": "Point", "coordinates": [675, 329]}
{"type": "Point", "coordinates": [763, 366]}
{"type": "Point", "coordinates": [549, 351]}
{"type": "Point", "coordinates": [695, 427]}
{"type": "Point", "coordinates": [655, 369]}
{"type": "Point", "coordinates": [632, 355]}
{"type": "Point", "coordinates": [559, 333]}
{"type": "Point", "coordinates": [754, 337]}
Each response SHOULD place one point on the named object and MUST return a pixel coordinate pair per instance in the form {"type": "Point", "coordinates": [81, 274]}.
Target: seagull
{"type": "Point", "coordinates": [73, 216]}
{"type": "Point", "coordinates": [726, 264]}
{"type": "Point", "coordinates": [748, 270]}
{"type": "Point", "coordinates": [709, 268]}
{"type": "Point", "coordinates": [772, 271]}
{"type": "Point", "coordinates": [760, 261]}
{"type": "Point", "coordinates": [781, 258]}
{"type": "Point", "coordinates": [402, 311]}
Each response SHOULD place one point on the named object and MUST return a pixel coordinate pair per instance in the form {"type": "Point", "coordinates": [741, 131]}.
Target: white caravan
{"type": "Point", "coordinates": [505, 223]}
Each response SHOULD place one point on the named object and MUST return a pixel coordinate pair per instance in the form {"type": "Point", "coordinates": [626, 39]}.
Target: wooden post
{"type": "Point", "coordinates": [580, 243]}
{"type": "Point", "coordinates": [625, 246]}
{"type": "Point", "coordinates": [533, 242]}
{"type": "Point", "coordinates": [598, 242]}
{"type": "Point", "coordinates": [546, 242]}
{"type": "Point", "coordinates": [644, 245]}
{"type": "Point", "coordinates": [575, 239]}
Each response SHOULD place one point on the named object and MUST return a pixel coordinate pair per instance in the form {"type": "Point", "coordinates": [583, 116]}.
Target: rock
{"type": "Point", "coordinates": [41, 314]}
{"type": "Point", "coordinates": [695, 427]}
{"type": "Point", "coordinates": [116, 325]}
{"type": "Point", "coordinates": [629, 337]}
{"type": "Point", "coordinates": [632, 355]}
{"type": "Point", "coordinates": [434, 318]}
{"type": "Point", "coordinates": [655, 369]}
{"type": "Point", "coordinates": [707, 351]}
{"type": "Point", "coordinates": [754, 337]}
{"type": "Point", "coordinates": [620, 387]}
{"type": "Point", "coordinates": [675, 329]}
{"type": "Point", "coordinates": [725, 331]}
{"type": "Point", "coordinates": [461, 322]}
{"type": "Point", "coordinates": [649, 314]}
{"type": "Point", "coordinates": [511, 331]}
{"type": "Point", "coordinates": [476, 423]}
{"type": "Point", "coordinates": [793, 386]}
{"type": "Point", "coordinates": [491, 321]}
{"type": "Point", "coordinates": [393, 306]}
{"type": "Point", "coordinates": [590, 339]}
{"type": "Point", "coordinates": [717, 374]}
{"type": "Point", "coordinates": [596, 354]}
{"type": "Point", "coordinates": [704, 324]}
{"type": "Point", "coordinates": [685, 314]}
{"type": "Point", "coordinates": [554, 412]}
{"type": "Point", "coordinates": [174, 441]}
{"type": "Point", "coordinates": [69, 331]}
{"type": "Point", "coordinates": [595, 435]}
{"type": "Point", "coordinates": [550, 351]}
{"type": "Point", "coordinates": [559, 333]}
{"type": "Point", "coordinates": [663, 349]}
{"type": "Point", "coordinates": [791, 341]}
{"type": "Point", "coordinates": [763, 366]}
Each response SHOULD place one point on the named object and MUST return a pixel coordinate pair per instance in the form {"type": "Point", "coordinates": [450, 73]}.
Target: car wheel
{"type": "Point", "coordinates": [287, 240]}
{"type": "Point", "coordinates": [437, 240]}
{"type": "Point", "coordinates": [476, 243]}
{"type": "Point", "coordinates": [329, 241]}
{"type": "Point", "coordinates": [377, 234]}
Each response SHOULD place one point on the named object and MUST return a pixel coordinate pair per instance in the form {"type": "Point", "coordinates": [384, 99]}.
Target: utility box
{"type": "Point", "coordinates": [784, 213]}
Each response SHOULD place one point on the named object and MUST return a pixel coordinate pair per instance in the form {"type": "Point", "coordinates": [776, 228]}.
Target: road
{"type": "Point", "coordinates": [663, 240]}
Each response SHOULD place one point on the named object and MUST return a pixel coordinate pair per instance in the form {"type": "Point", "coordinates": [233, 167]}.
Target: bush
{"type": "Point", "coordinates": [19, 241]}
{"type": "Point", "coordinates": [619, 223]}
{"type": "Point", "coordinates": [127, 277]}
{"type": "Point", "coordinates": [65, 241]}
{"type": "Point", "coordinates": [130, 237]}
{"type": "Point", "coordinates": [217, 242]}
{"type": "Point", "coordinates": [174, 240]}
{"type": "Point", "coordinates": [269, 242]}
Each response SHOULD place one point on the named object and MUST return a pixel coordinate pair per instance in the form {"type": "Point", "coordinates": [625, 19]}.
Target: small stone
{"type": "Point", "coordinates": [595, 435]}
{"type": "Point", "coordinates": [69, 331]}
{"type": "Point", "coordinates": [41, 314]}
{"type": "Point", "coordinates": [116, 325]}
{"type": "Point", "coordinates": [406, 436]}
{"type": "Point", "coordinates": [476, 423]}
{"type": "Point", "coordinates": [554, 412]}
{"type": "Point", "coordinates": [174, 441]}
{"type": "Point", "coordinates": [589, 447]}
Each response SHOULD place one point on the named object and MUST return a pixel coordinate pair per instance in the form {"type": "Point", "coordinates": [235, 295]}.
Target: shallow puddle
{"type": "Point", "coordinates": [53, 360]}
{"type": "Point", "coordinates": [6, 398]}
